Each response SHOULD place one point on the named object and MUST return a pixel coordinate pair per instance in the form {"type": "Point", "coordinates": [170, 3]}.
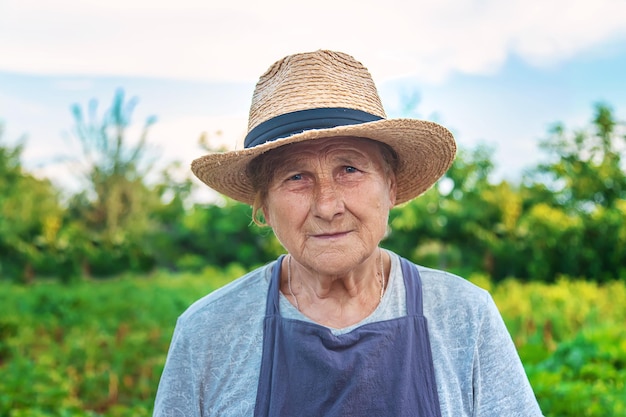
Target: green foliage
{"type": "Point", "coordinates": [572, 341]}
{"type": "Point", "coordinates": [586, 376]}
{"type": "Point", "coordinates": [97, 348]}
{"type": "Point", "coordinates": [586, 168]}
{"type": "Point", "coordinates": [549, 228]}
{"type": "Point", "coordinates": [463, 229]}
{"type": "Point", "coordinates": [577, 229]}
{"type": "Point", "coordinates": [220, 234]}
{"type": "Point", "coordinates": [538, 314]}
{"type": "Point", "coordinates": [113, 215]}
{"type": "Point", "coordinates": [30, 216]}
{"type": "Point", "coordinates": [92, 348]}
{"type": "Point", "coordinates": [565, 217]}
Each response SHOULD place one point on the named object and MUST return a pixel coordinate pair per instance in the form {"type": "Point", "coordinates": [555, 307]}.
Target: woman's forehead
{"type": "Point", "coordinates": [336, 145]}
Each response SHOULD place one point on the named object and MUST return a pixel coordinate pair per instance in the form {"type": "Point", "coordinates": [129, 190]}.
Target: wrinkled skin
{"type": "Point", "coordinates": [328, 205]}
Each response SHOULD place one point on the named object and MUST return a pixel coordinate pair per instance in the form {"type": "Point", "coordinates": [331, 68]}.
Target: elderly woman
{"type": "Point", "coordinates": [337, 326]}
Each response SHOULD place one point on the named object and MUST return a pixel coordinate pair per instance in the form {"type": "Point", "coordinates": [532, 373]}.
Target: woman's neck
{"type": "Point", "coordinates": [336, 301]}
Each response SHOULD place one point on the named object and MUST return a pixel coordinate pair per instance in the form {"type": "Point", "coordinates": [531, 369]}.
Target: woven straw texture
{"type": "Point", "coordinates": [324, 79]}
{"type": "Point", "coordinates": [299, 82]}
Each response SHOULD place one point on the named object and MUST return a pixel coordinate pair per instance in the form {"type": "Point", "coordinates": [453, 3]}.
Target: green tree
{"type": "Point", "coordinates": [223, 234]}
{"type": "Point", "coordinates": [586, 167]}
{"type": "Point", "coordinates": [454, 224]}
{"type": "Point", "coordinates": [577, 202]}
{"type": "Point", "coordinates": [30, 218]}
{"type": "Point", "coordinates": [167, 241]}
{"type": "Point", "coordinates": [114, 211]}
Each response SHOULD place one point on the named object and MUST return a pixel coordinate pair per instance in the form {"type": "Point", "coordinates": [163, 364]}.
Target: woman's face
{"type": "Point", "coordinates": [328, 203]}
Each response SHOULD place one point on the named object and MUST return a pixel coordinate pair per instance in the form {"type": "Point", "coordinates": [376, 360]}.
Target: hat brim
{"type": "Point", "coordinates": [425, 151]}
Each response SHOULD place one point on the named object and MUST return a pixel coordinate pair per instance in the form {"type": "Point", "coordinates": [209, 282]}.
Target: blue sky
{"type": "Point", "coordinates": [496, 72]}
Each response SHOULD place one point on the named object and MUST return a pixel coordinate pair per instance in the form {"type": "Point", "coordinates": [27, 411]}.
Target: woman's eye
{"type": "Point", "coordinates": [295, 177]}
{"type": "Point", "coordinates": [350, 169]}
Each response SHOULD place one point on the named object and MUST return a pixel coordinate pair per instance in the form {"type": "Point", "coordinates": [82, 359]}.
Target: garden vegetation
{"type": "Point", "coordinates": [91, 283]}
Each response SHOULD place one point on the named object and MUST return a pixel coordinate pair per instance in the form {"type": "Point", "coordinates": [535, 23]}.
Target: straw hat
{"type": "Point", "coordinates": [325, 94]}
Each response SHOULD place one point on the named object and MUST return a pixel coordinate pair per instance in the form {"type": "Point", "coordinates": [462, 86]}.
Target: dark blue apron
{"type": "Point", "coordinates": [378, 369]}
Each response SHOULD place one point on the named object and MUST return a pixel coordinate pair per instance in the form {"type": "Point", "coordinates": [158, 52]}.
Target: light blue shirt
{"type": "Point", "coordinates": [213, 364]}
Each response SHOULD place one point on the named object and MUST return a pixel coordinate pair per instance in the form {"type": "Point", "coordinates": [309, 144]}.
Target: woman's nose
{"type": "Point", "coordinates": [327, 200]}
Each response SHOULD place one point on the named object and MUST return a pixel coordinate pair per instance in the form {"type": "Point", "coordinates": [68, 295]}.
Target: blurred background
{"type": "Point", "coordinates": [105, 237]}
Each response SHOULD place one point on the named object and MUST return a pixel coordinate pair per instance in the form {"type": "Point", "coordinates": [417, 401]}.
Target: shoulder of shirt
{"type": "Point", "coordinates": [443, 288]}
{"type": "Point", "coordinates": [446, 280]}
{"type": "Point", "coordinates": [449, 297]}
{"type": "Point", "coordinates": [243, 295]}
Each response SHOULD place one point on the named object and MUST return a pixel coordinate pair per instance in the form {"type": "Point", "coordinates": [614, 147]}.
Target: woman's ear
{"type": "Point", "coordinates": [267, 219]}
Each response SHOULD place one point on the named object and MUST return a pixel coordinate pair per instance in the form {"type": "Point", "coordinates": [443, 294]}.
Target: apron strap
{"type": "Point", "coordinates": [413, 288]}
{"type": "Point", "coordinates": [271, 306]}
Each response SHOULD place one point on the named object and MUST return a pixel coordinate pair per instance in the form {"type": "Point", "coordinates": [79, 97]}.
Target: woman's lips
{"type": "Point", "coordinates": [333, 235]}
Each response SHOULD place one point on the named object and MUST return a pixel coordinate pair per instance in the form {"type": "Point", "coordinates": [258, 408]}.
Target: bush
{"type": "Point", "coordinates": [585, 376]}
{"type": "Point", "coordinates": [97, 348]}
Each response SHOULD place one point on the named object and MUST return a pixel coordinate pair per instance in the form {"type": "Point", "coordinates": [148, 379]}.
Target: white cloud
{"type": "Point", "coordinates": [238, 40]}
{"type": "Point", "coordinates": [178, 138]}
